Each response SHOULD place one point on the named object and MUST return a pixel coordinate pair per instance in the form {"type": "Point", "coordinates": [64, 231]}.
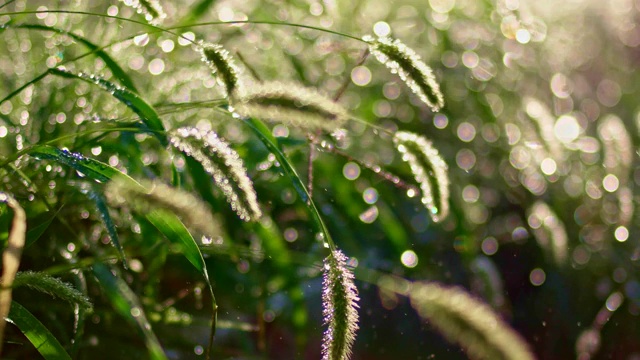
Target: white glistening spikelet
{"type": "Point", "coordinates": [618, 150]}
{"type": "Point", "coordinates": [340, 308]}
{"type": "Point", "coordinates": [221, 64]}
{"type": "Point", "coordinates": [292, 105]}
{"type": "Point", "coordinates": [429, 170]}
{"type": "Point", "coordinates": [402, 60]}
{"type": "Point", "coordinates": [150, 9]}
{"type": "Point", "coordinates": [225, 166]}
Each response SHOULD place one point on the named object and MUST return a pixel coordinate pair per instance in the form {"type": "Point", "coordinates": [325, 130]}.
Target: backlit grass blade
{"type": "Point", "coordinates": [126, 303]}
{"type": "Point", "coordinates": [92, 169]}
{"type": "Point", "coordinates": [54, 287]}
{"type": "Point", "coordinates": [167, 223]}
{"type": "Point", "coordinates": [147, 113]}
{"type": "Point", "coordinates": [41, 338]}
{"type": "Point", "coordinates": [111, 64]}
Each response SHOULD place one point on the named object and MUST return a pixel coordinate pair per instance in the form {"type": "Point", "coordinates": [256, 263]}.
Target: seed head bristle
{"type": "Point", "coordinates": [340, 308]}
{"type": "Point", "coordinates": [224, 165]}
{"type": "Point", "coordinates": [221, 64]}
{"type": "Point", "coordinates": [402, 60]}
{"type": "Point", "coordinates": [292, 105]}
{"type": "Point", "coordinates": [429, 170]}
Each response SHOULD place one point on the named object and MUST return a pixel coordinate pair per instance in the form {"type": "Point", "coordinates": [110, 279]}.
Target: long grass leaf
{"type": "Point", "coordinates": [126, 303]}
{"type": "Point", "coordinates": [56, 288]}
{"type": "Point", "coordinates": [265, 136]}
{"type": "Point", "coordinates": [103, 210]}
{"type": "Point", "coordinates": [147, 113]}
{"type": "Point", "coordinates": [11, 256]}
{"type": "Point", "coordinates": [91, 168]}
{"type": "Point", "coordinates": [41, 338]}
{"type": "Point", "coordinates": [111, 64]}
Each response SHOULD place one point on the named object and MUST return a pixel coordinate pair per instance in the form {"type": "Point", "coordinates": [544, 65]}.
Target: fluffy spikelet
{"type": "Point", "coordinates": [468, 322]}
{"type": "Point", "coordinates": [225, 166]}
{"type": "Point", "coordinates": [340, 308]}
{"type": "Point", "coordinates": [617, 147]}
{"type": "Point", "coordinates": [429, 170]}
{"type": "Point", "coordinates": [402, 60]}
{"type": "Point", "coordinates": [548, 230]}
{"type": "Point", "coordinates": [150, 9]}
{"type": "Point", "coordinates": [292, 105]}
{"type": "Point", "coordinates": [195, 214]}
{"type": "Point", "coordinates": [221, 64]}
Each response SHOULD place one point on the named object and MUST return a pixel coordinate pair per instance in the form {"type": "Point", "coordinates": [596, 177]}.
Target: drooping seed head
{"type": "Point", "coordinates": [402, 60]}
{"type": "Point", "coordinates": [224, 165]}
{"type": "Point", "coordinates": [148, 196]}
{"type": "Point", "coordinates": [150, 9]}
{"type": "Point", "coordinates": [340, 308]}
{"type": "Point", "coordinates": [468, 322]}
{"type": "Point", "coordinates": [429, 170]}
{"type": "Point", "coordinates": [221, 64]}
{"type": "Point", "coordinates": [549, 230]}
{"type": "Point", "coordinates": [292, 105]}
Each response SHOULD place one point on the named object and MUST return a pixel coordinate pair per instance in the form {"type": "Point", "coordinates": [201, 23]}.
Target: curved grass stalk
{"type": "Point", "coordinates": [11, 257]}
{"type": "Point", "coordinates": [223, 164]}
{"type": "Point", "coordinates": [429, 170]}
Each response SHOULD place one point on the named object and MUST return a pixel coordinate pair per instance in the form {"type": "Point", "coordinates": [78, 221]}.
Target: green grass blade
{"type": "Point", "coordinates": [126, 303]}
{"type": "Point", "coordinates": [265, 136]}
{"type": "Point", "coordinates": [101, 205]}
{"type": "Point", "coordinates": [41, 338]}
{"type": "Point", "coordinates": [92, 169]}
{"type": "Point", "coordinates": [147, 113]}
{"type": "Point", "coordinates": [54, 287]}
{"type": "Point", "coordinates": [117, 71]}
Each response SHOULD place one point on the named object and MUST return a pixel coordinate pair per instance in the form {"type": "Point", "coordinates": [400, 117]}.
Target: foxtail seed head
{"type": "Point", "coordinates": [292, 105]}
{"type": "Point", "coordinates": [402, 60]}
{"type": "Point", "coordinates": [225, 166]}
{"type": "Point", "coordinates": [195, 214]}
{"type": "Point", "coordinates": [150, 9]}
{"type": "Point", "coordinates": [468, 322]}
{"type": "Point", "coordinates": [340, 308]}
{"type": "Point", "coordinates": [429, 170]}
{"type": "Point", "coordinates": [221, 64]}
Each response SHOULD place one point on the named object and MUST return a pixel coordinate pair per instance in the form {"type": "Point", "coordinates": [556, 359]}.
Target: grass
{"type": "Point", "coordinates": [256, 185]}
